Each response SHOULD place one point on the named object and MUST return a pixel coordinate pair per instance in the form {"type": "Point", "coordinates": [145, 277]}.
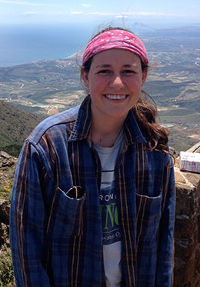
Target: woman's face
{"type": "Point", "coordinates": [114, 81]}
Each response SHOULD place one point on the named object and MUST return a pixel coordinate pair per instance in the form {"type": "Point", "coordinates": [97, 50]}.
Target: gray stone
{"type": "Point", "coordinates": [187, 228]}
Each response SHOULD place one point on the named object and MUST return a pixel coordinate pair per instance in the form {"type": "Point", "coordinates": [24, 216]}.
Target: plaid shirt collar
{"type": "Point", "coordinates": [82, 125]}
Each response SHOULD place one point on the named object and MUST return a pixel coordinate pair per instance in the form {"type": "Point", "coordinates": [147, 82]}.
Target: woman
{"type": "Point", "coordinates": [93, 199]}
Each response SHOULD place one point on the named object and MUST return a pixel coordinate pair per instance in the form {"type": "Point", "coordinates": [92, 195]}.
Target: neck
{"type": "Point", "coordinates": [104, 132]}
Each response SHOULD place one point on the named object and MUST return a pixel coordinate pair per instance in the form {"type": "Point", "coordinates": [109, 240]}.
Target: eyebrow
{"type": "Point", "coordinates": [107, 66]}
{"type": "Point", "coordinates": [103, 66]}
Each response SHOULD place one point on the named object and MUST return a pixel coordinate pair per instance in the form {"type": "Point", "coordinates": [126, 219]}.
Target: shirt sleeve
{"type": "Point", "coordinates": [27, 221]}
{"type": "Point", "coordinates": [165, 257]}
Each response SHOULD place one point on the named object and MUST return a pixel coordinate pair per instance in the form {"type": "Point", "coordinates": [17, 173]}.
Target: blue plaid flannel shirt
{"type": "Point", "coordinates": [55, 223]}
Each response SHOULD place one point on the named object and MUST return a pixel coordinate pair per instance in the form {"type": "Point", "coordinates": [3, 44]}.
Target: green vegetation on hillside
{"type": "Point", "coordinates": [15, 126]}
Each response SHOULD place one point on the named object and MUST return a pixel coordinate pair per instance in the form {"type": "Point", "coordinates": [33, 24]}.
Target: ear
{"type": "Point", "coordinates": [84, 77]}
{"type": "Point", "coordinates": [144, 75]}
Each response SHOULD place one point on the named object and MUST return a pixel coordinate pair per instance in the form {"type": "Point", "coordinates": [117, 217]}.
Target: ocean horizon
{"type": "Point", "coordinates": [25, 44]}
{"type": "Point", "coordinates": [22, 44]}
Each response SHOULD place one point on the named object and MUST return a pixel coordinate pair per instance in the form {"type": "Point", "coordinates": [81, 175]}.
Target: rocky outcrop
{"type": "Point", "coordinates": [4, 222]}
{"type": "Point", "coordinates": [4, 211]}
{"type": "Point", "coordinates": [7, 167]}
{"type": "Point", "coordinates": [187, 227]}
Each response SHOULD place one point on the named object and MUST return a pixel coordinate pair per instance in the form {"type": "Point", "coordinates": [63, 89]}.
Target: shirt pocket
{"type": "Point", "coordinates": [148, 219]}
{"type": "Point", "coordinates": [68, 213]}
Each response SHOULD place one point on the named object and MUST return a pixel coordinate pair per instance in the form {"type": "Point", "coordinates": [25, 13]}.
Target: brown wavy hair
{"type": "Point", "coordinates": [145, 111]}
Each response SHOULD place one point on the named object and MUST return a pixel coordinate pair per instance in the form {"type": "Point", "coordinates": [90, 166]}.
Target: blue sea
{"type": "Point", "coordinates": [20, 44]}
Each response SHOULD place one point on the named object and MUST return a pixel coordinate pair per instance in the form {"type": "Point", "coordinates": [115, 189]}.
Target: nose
{"type": "Point", "coordinates": [116, 82]}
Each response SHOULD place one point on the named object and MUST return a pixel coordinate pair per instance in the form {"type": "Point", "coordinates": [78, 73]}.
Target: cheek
{"type": "Point", "coordinates": [97, 85]}
{"type": "Point", "coordinates": [135, 84]}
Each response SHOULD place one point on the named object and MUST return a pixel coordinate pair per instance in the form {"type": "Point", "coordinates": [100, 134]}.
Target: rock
{"type": "Point", "coordinates": [4, 154]}
{"type": "Point", "coordinates": [4, 234]}
{"type": "Point", "coordinates": [7, 169]}
{"type": "Point", "coordinates": [195, 148]}
{"type": "Point", "coordinates": [6, 160]}
{"type": "Point", "coordinates": [187, 228]}
{"type": "Point", "coordinates": [4, 222]}
{"type": "Point", "coordinates": [4, 211]}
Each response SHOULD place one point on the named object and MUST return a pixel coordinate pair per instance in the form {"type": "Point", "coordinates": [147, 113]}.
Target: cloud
{"type": "Point", "coordinates": [102, 13]}
{"type": "Point", "coordinates": [98, 14]}
{"type": "Point", "coordinates": [121, 16]}
{"type": "Point", "coordinates": [46, 13]}
{"type": "Point", "coordinates": [127, 14]}
{"type": "Point", "coordinates": [76, 12]}
{"type": "Point", "coordinates": [32, 13]}
{"type": "Point", "coordinates": [85, 5]}
{"type": "Point", "coordinates": [20, 3]}
{"type": "Point", "coordinates": [143, 13]}
{"type": "Point", "coordinates": [150, 14]}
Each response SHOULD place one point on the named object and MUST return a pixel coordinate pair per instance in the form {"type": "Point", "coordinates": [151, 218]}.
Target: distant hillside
{"type": "Point", "coordinates": [15, 126]}
{"type": "Point", "coordinates": [51, 86]}
{"type": "Point", "coordinates": [42, 86]}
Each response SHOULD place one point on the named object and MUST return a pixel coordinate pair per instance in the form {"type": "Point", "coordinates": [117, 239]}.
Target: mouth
{"type": "Point", "coordinates": [115, 97]}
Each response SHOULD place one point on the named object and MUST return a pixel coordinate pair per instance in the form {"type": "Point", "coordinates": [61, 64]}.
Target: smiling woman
{"type": "Point", "coordinates": [114, 81]}
{"type": "Point", "coordinates": [93, 200]}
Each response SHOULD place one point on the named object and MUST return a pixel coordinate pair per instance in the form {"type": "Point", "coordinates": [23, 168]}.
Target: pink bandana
{"type": "Point", "coordinates": [115, 39]}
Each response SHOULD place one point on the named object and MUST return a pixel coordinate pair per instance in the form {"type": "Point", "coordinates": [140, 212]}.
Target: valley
{"type": "Point", "coordinates": [48, 87]}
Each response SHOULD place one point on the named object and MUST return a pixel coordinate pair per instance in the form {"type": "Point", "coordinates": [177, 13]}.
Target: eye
{"type": "Point", "coordinates": [128, 72]}
{"type": "Point", "coordinates": [104, 72]}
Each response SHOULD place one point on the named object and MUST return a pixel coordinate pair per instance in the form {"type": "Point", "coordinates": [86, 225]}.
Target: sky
{"type": "Point", "coordinates": [84, 11]}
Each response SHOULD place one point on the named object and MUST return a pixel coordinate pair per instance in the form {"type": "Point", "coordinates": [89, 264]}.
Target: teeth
{"type": "Point", "coordinates": [116, 97]}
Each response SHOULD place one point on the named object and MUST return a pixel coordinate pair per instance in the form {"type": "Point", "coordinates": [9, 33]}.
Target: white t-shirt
{"type": "Point", "coordinates": [111, 236]}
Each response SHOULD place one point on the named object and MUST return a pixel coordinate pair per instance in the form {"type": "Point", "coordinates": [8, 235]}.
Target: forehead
{"type": "Point", "coordinates": [116, 57]}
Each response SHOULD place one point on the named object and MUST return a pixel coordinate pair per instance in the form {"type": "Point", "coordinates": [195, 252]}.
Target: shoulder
{"type": "Point", "coordinates": [56, 123]}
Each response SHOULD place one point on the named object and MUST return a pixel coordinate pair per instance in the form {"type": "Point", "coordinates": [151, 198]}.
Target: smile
{"type": "Point", "coordinates": [116, 97]}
